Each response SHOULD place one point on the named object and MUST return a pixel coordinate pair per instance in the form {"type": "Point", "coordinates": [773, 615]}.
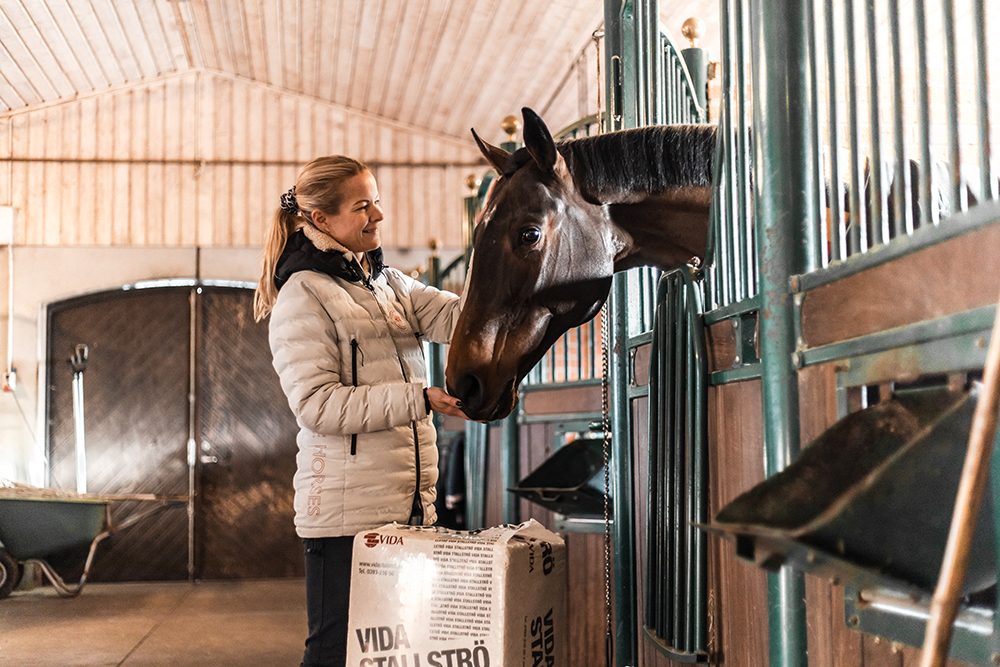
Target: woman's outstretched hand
{"type": "Point", "coordinates": [443, 402]}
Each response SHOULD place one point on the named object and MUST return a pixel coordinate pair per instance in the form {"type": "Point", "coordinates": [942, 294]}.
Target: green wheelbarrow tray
{"type": "Point", "coordinates": [35, 528]}
{"type": "Point", "coordinates": [869, 503]}
{"type": "Point", "coordinates": [40, 527]}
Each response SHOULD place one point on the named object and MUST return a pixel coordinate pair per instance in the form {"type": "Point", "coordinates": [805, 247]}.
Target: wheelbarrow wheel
{"type": "Point", "coordinates": [10, 573]}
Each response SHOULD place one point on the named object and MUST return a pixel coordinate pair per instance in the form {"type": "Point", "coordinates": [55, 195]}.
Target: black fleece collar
{"type": "Point", "coordinates": [300, 254]}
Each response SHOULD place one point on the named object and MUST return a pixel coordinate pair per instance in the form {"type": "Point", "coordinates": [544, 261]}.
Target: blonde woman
{"type": "Point", "coordinates": [345, 334]}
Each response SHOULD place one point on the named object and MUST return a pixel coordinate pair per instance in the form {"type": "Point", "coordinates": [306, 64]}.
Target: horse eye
{"type": "Point", "coordinates": [530, 235]}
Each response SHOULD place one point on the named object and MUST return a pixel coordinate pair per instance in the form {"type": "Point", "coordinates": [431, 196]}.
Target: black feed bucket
{"type": "Point", "coordinates": [565, 482]}
{"type": "Point", "coordinates": [870, 501]}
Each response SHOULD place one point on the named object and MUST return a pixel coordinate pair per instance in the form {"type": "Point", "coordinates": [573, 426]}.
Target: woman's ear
{"type": "Point", "coordinates": [318, 218]}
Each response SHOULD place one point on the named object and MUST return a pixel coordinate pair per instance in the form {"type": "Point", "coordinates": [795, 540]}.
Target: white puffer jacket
{"type": "Point", "coordinates": [350, 360]}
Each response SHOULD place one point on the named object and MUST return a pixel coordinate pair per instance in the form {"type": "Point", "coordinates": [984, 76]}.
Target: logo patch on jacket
{"type": "Point", "coordinates": [397, 320]}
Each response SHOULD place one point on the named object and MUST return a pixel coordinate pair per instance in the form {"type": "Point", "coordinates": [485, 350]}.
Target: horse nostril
{"type": "Point", "coordinates": [469, 390]}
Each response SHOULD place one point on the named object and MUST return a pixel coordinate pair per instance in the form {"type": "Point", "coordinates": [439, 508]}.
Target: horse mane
{"type": "Point", "coordinates": [651, 159]}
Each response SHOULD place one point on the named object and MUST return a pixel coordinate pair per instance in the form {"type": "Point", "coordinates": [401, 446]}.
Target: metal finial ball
{"type": "Point", "coordinates": [693, 29]}
{"type": "Point", "coordinates": [433, 244]}
{"type": "Point", "coordinates": [510, 125]}
{"type": "Point", "coordinates": [472, 182]}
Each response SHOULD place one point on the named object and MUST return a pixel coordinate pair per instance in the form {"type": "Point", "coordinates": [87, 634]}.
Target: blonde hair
{"type": "Point", "coordinates": [318, 187]}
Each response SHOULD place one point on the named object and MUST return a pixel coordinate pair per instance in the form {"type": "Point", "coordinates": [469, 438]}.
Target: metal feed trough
{"type": "Point", "coordinates": [563, 482]}
{"type": "Point", "coordinates": [869, 503]}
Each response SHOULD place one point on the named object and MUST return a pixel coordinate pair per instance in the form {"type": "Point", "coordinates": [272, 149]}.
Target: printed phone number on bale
{"type": "Point", "coordinates": [378, 569]}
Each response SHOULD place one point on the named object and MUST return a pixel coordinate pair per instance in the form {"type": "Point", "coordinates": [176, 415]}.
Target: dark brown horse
{"type": "Point", "coordinates": [561, 220]}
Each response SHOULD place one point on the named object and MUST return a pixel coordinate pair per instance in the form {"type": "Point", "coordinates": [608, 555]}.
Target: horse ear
{"type": "Point", "coordinates": [498, 157]}
{"type": "Point", "coordinates": [539, 142]}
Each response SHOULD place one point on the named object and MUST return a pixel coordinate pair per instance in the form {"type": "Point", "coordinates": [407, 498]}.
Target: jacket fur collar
{"type": "Point", "coordinates": [309, 249]}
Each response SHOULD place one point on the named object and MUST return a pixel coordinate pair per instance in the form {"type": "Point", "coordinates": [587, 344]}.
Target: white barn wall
{"type": "Point", "coordinates": [200, 159]}
{"type": "Point", "coordinates": [150, 181]}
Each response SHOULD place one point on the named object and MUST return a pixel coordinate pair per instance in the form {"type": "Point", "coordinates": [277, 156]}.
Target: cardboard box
{"type": "Point", "coordinates": [432, 597]}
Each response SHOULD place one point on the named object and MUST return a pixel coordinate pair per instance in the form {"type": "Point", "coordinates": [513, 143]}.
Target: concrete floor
{"type": "Point", "coordinates": [211, 624]}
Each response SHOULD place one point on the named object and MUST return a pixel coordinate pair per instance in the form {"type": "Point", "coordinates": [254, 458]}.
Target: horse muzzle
{"type": "Point", "coordinates": [480, 404]}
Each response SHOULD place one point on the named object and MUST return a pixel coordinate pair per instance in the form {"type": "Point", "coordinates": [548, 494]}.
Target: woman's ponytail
{"type": "Point", "coordinates": [283, 224]}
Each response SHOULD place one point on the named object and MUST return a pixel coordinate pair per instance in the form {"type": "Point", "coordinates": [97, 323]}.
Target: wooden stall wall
{"type": "Point", "coordinates": [201, 158]}
{"type": "Point", "coordinates": [737, 590]}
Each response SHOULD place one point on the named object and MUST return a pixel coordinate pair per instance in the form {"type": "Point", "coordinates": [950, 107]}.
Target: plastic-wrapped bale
{"type": "Point", "coordinates": [432, 597]}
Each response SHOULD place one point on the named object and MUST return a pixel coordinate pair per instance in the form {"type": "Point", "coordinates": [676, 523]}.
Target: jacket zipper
{"type": "Point", "coordinates": [417, 508]}
{"type": "Point", "coordinates": [354, 378]}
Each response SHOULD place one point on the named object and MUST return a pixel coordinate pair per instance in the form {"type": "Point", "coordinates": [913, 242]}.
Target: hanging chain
{"type": "Point", "coordinates": [606, 448]}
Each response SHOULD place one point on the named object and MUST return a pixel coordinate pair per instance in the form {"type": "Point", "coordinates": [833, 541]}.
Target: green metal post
{"type": "Point", "coordinates": [622, 492]}
{"type": "Point", "coordinates": [633, 63]}
{"type": "Point", "coordinates": [476, 442]}
{"type": "Point", "coordinates": [784, 203]}
{"type": "Point", "coordinates": [696, 60]}
{"type": "Point", "coordinates": [435, 351]}
{"type": "Point", "coordinates": [472, 205]}
{"type": "Point", "coordinates": [510, 466]}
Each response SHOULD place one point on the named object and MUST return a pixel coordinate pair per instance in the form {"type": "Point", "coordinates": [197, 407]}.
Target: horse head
{"type": "Point", "coordinates": [542, 263]}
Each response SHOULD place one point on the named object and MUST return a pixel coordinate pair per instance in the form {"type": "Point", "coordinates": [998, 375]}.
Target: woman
{"type": "Point", "coordinates": [346, 335]}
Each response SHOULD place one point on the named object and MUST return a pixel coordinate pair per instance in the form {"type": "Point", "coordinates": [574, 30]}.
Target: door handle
{"type": "Point", "coordinates": [207, 458]}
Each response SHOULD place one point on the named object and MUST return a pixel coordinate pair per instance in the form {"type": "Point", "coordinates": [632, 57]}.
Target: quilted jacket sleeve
{"type": "Point", "coordinates": [436, 311]}
{"type": "Point", "coordinates": [307, 355]}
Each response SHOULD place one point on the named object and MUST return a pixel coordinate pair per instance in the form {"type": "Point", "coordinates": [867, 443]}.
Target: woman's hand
{"type": "Point", "coordinates": [443, 402]}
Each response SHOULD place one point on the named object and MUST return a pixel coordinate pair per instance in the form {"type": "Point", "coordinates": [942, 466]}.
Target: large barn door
{"type": "Point", "coordinates": [246, 447]}
{"type": "Point", "coordinates": [137, 397]}
{"type": "Point", "coordinates": [136, 408]}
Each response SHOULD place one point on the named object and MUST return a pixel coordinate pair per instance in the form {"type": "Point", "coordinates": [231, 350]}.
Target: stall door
{"type": "Point", "coordinates": [138, 407]}
{"type": "Point", "coordinates": [135, 388]}
{"type": "Point", "coordinates": [246, 448]}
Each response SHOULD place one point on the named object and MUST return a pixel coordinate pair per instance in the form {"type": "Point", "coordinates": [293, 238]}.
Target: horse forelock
{"type": "Point", "coordinates": [648, 159]}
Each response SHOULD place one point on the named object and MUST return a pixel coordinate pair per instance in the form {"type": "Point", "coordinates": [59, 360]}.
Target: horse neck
{"type": "Point", "coordinates": [655, 183]}
{"type": "Point", "coordinates": [663, 229]}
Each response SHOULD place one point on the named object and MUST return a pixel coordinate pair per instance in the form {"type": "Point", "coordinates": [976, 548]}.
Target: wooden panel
{"type": "Point", "coordinates": [721, 345]}
{"type": "Point", "coordinates": [495, 490]}
{"type": "Point", "coordinates": [52, 176]}
{"type": "Point", "coordinates": [940, 280]}
{"type": "Point", "coordinates": [824, 610]}
{"type": "Point", "coordinates": [585, 600]}
{"type": "Point", "coordinates": [640, 365]}
{"type": "Point", "coordinates": [562, 401]}
{"type": "Point", "coordinates": [737, 590]}
{"type": "Point", "coordinates": [6, 167]}
{"type": "Point", "coordinates": [536, 446]}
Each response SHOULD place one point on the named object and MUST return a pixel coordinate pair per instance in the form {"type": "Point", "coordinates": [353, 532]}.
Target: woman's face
{"type": "Point", "coordinates": [356, 225]}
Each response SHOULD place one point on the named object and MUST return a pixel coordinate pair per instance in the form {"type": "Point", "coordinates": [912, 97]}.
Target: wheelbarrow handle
{"type": "Point", "coordinates": [138, 516]}
{"type": "Point", "coordinates": [62, 588]}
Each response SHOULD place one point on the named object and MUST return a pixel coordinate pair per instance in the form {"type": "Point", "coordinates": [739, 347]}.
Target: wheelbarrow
{"type": "Point", "coordinates": [33, 529]}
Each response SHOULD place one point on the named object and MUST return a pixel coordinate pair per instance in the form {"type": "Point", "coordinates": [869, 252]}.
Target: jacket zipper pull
{"type": "Point", "coordinates": [354, 379]}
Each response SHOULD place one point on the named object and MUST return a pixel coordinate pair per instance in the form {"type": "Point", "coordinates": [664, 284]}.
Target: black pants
{"type": "Point", "coordinates": [328, 592]}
